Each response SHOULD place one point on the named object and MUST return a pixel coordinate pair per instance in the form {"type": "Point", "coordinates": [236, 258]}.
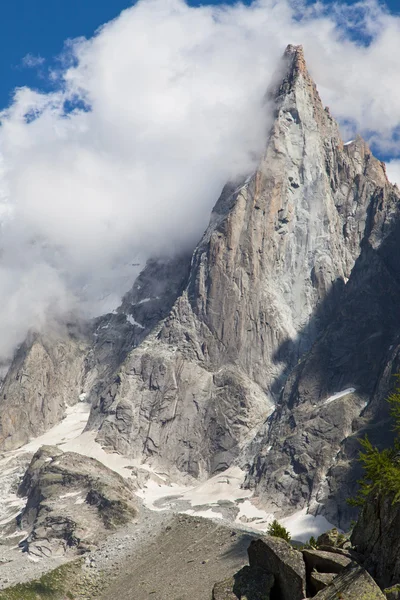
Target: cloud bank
{"type": "Point", "coordinates": [149, 119]}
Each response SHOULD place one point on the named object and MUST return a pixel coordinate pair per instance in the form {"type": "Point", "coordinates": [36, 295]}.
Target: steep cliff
{"type": "Point", "coordinates": [267, 288]}
{"type": "Point", "coordinates": [306, 453]}
{"type": "Point", "coordinates": [271, 345]}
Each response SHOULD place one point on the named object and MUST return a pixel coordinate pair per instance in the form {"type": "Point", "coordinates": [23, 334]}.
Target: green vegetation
{"type": "Point", "coordinates": [312, 542]}
{"type": "Point", "coordinates": [381, 467]}
{"type": "Point", "coordinates": [277, 530]}
{"type": "Point", "coordinates": [65, 582]}
{"type": "Point", "coordinates": [51, 586]}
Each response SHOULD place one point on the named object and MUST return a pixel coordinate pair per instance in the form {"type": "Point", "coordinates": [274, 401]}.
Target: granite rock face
{"type": "Point", "coordinates": [376, 536]}
{"type": "Point", "coordinates": [46, 376]}
{"type": "Point", "coordinates": [265, 282]}
{"type": "Point", "coordinates": [306, 453]}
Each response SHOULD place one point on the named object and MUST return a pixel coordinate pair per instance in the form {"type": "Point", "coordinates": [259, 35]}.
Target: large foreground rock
{"type": "Point", "coordinates": [325, 562]}
{"type": "Point", "coordinates": [250, 583]}
{"type": "Point", "coordinates": [72, 502]}
{"type": "Point", "coordinates": [277, 557]}
{"type": "Point", "coordinates": [354, 583]}
{"type": "Point", "coordinates": [319, 581]}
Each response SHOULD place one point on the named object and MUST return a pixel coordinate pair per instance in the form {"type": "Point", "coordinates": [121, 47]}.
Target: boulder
{"type": "Point", "coordinates": [393, 593]}
{"type": "Point", "coordinates": [250, 583]}
{"type": "Point", "coordinates": [349, 552]}
{"type": "Point", "coordinates": [325, 562]}
{"type": "Point", "coordinates": [224, 590]}
{"type": "Point", "coordinates": [277, 557]}
{"type": "Point", "coordinates": [354, 583]}
{"type": "Point", "coordinates": [329, 538]}
{"type": "Point", "coordinates": [319, 581]}
{"type": "Point", "coordinates": [72, 501]}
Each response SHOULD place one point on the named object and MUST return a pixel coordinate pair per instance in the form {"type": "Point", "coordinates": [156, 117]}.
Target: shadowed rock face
{"type": "Point", "coordinates": [376, 536]}
{"type": "Point", "coordinates": [276, 556]}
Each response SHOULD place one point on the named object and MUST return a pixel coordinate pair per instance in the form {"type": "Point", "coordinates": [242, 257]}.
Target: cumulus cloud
{"type": "Point", "coordinates": [150, 118]}
{"type": "Point", "coordinates": [393, 171]}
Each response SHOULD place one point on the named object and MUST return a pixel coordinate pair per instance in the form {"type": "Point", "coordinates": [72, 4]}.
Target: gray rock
{"type": "Point", "coordinates": [277, 557]}
{"type": "Point", "coordinates": [354, 583]}
{"type": "Point", "coordinates": [348, 552]}
{"type": "Point", "coordinates": [46, 376]}
{"type": "Point", "coordinates": [72, 502]}
{"type": "Point", "coordinates": [247, 584]}
{"type": "Point", "coordinates": [325, 562]}
{"type": "Point", "coordinates": [319, 581]}
{"type": "Point", "coordinates": [329, 538]}
{"type": "Point", "coordinates": [376, 536]}
{"type": "Point", "coordinates": [224, 590]}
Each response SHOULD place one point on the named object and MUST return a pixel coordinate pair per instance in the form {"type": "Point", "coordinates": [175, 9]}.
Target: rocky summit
{"type": "Point", "coordinates": [269, 348]}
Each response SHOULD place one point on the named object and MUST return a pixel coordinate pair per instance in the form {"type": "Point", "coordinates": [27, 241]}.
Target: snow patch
{"type": "Point", "coordinates": [86, 445]}
{"type": "Point", "coordinates": [302, 525]}
{"type": "Point", "coordinates": [132, 321]}
{"type": "Point", "coordinates": [207, 514]}
{"type": "Point", "coordinates": [209, 497]}
{"type": "Point", "coordinates": [252, 516]}
{"type": "Point", "coordinates": [71, 426]}
{"type": "Point", "coordinates": [338, 395]}
{"type": "Point", "coordinates": [70, 495]}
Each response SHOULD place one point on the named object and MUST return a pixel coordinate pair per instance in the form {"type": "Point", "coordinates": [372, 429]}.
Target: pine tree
{"type": "Point", "coordinates": [277, 530]}
{"type": "Point", "coordinates": [382, 467]}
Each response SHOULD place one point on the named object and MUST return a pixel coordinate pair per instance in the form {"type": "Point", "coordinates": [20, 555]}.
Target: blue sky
{"type": "Point", "coordinates": [40, 28]}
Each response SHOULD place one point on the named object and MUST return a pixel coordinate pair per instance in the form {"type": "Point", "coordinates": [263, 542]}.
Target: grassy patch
{"type": "Point", "coordinates": [58, 584]}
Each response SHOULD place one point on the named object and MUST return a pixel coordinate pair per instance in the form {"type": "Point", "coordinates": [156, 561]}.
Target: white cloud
{"type": "Point", "coordinates": [393, 171]}
{"type": "Point", "coordinates": [31, 61]}
{"type": "Point", "coordinates": [176, 110]}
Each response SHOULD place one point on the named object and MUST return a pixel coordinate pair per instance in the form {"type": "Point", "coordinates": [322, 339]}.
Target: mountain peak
{"type": "Point", "coordinates": [295, 56]}
{"type": "Point", "coordinates": [294, 71]}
